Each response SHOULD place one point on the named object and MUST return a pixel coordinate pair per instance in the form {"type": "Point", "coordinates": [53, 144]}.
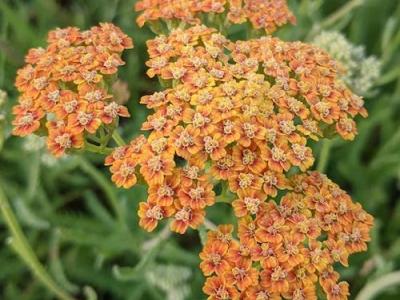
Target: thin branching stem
{"type": "Point", "coordinates": [88, 168]}
{"type": "Point", "coordinates": [334, 18]}
{"type": "Point", "coordinates": [118, 138]}
{"type": "Point", "coordinates": [340, 13]}
{"type": "Point", "coordinates": [374, 288]}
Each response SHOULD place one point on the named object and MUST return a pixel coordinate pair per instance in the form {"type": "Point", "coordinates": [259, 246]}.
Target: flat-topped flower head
{"type": "Point", "coordinates": [69, 82]}
{"type": "Point", "coordinates": [278, 254]}
{"type": "Point", "coordinates": [240, 114]}
{"type": "Point", "coordinates": [231, 124]}
{"type": "Point", "coordinates": [268, 15]}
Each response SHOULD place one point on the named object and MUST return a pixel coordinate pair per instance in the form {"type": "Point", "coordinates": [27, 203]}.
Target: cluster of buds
{"type": "Point", "coordinates": [236, 115]}
{"type": "Point", "coordinates": [65, 87]}
{"type": "Point", "coordinates": [287, 249]}
{"type": "Point", "coordinates": [360, 71]}
{"type": "Point", "coordinates": [261, 14]}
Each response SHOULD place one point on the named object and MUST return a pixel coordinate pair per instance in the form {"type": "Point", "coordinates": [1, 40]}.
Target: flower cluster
{"type": "Point", "coordinates": [360, 72]}
{"type": "Point", "coordinates": [233, 121]}
{"type": "Point", "coordinates": [287, 249]}
{"type": "Point", "coordinates": [262, 14]}
{"type": "Point", "coordinates": [236, 115]}
{"type": "Point", "coordinates": [64, 88]}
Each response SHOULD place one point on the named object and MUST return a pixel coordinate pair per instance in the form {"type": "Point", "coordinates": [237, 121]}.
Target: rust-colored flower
{"type": "Point", "coordinates": [214, 258]}
{"type": "Point", "coordinates": [217, 288]}
{"type": "Point", "coordinates": [267, 14]}
{"type": "Point", "coordinates": [282, 251]}
{"type": "Point", "coordinates": [232, 124]}
{"type": "Point", "coordinates": [151, 214]}
{"type": "Point", "coordinates": [198, 195]}
{"type": "Point", "coordinates": [186, 217]}
{"type": "Point", "coordinates": [68, 82]}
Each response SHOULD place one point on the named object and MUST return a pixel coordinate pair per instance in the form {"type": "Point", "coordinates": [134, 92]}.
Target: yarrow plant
{"type": "Point", "coordinates": [232, 124]}
{"type": "Point", "coordinates": [285, 249]}
{"type": "Point", "coordinates": [65, 88]}
{"type": "Point", "coordinates": [261, 14]}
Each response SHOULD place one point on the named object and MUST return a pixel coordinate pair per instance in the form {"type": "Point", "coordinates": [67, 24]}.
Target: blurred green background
{"type": "Point", "coordinates": [85, 231]}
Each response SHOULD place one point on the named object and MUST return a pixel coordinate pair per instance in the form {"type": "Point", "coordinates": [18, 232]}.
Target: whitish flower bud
{"type": "Point", "coordinates": [360, 71]}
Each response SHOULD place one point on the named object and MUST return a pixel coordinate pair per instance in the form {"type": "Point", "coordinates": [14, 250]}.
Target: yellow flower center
{"type": "Point", "coordinates": [210, 144]}
{"type": "Point", "coordinates": [278, 154]}
{"type": "Point", "coordinates": [155, 163]}
{"type": "Point", "coordinates": [27, 119]}
{"type": "Point", "coordinates": [84, 118]}
{"type": "Point", "coordinates": [183, 214]}
{"type": "Point", "coordinates": [155, 213]}
{"type": "Point", "coordinates": [64, 141]}
{"type": "Point", "coordinates": [278, 274]}
{"type": "Point", "coordinates": [159, 145]}
{"type": "Point", "coordinates": [70, 106]}
{"type": "Point", "coordinates": [165, 191]}
{"type": "Point", "coordinates": [248, 157]}
{"type": "Point", "coordinates": [196, 193]}
{"type": "Point", "coordinates": [252, 204]}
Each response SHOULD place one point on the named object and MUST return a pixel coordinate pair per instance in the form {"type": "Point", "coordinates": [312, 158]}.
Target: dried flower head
{"type": "Point", "coordinates": [261, 14]}
{"type": "Point", "coordinates": [287, 248]}
{"type": "Point", "coordinates": [235, 114]}
{"type": "Point", "coordinates": [65, 87]}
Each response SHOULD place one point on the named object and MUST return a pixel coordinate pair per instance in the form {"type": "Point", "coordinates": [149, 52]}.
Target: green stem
{"type": "Point", "coordinates": [341, 12]}
{"type": "Point", "coordinates": [324, 155]}
{"type": "Point", "coordinates": [163, 235]}
{"type": "Point", "coordinates": [372, 289]}
{"type": "Point", "coordinates": [88, 168]}
{"type": "Point", "coordinates": [151, 249]}
{"type": "Point", "coordinates": [334, 18]}
{"type": "Point", "coordinates": [209, 225]}
{"type": "Point", "coordinates": [24, 250]}
{"type": "Point", "coordinates": [97, 149]}
{"type": "Point", "coordinates": [118, 139]}
{"type": "Point", "coordinates": [226, 196]}
{"type": "Point", "coordinates": [33, 176]}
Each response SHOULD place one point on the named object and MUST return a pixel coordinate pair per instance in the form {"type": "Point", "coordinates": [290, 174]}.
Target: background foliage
{"type": "Point", "coordinates": [85, 231]}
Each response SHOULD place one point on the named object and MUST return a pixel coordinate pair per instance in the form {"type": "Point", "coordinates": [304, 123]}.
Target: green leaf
{"type": "Point", "coordinates": [136, 273]}
{"type": "Point", "coordinates": [28, 216]}
{"type": "Point", "coordinates": [90, 293]}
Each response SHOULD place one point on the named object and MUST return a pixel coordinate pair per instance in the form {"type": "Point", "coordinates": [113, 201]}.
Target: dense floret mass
{"type": "Point", "coordinates": [261, 14]}
{"type": "Point", "coordinates": [286, 250]}
{"type": "Point", "coordinates": [65, 87]}
{"type": "Point", "coordinates": [232, 123]}
{"type": "Point", "coordinates": [234, 115]}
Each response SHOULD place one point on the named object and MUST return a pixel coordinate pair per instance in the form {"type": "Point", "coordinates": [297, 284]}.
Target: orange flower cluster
{"type": "Point", "coordinates": [262, 14]}
{"type": "Point", "coordinates": [64, 88]}
{"type": "Point", "coordinates": [287, 249]}
{"type": "Point", "coordinates": [236, 115]}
